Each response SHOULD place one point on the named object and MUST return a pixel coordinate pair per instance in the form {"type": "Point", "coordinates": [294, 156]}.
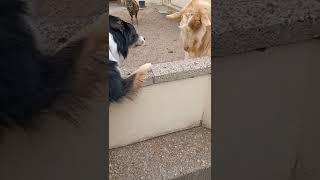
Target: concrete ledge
{"type": "Point", "coordinates": [175, 155]}
{"type": "Point", "coordinates": [240, 26]}
{"type": "Point", "coordinates": [176, 70]}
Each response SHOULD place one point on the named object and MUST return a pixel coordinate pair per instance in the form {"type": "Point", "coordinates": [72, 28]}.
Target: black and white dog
{"type": "Point", "coordinates": [122, 36]}
{"type": "Point", "coordinates": [29, 79]}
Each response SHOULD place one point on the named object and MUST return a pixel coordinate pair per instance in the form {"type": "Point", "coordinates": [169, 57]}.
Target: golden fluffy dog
{"type": "Point", "coordinates": [195, 25]}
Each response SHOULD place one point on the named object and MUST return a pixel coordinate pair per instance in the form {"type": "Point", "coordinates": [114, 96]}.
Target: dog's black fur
{"type": "Point", "coordinates": [29, 79]}
{"type": "Point", "coordinates": [124, 35]}
{"type": "Point", "coordinates": [118, 87]}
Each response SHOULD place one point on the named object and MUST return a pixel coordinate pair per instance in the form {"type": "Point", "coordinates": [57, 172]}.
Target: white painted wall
{"type": "Point", "coordinates": [160, 109]}
{"type": "Point", "coordinates": [206, 117]}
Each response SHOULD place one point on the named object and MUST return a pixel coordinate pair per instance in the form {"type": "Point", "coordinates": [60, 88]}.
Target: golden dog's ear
{"type": "Point", "coordinates": [205, 20]}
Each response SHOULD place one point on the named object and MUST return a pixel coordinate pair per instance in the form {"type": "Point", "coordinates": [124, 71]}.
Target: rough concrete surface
{"type": "Point", "coordinates": [54, 32]}
{"type": "Point", "coordinates": [176, 70]}
{"type": "Point", "coordinates": [163, 43]}
{"type": "Point", "coordinates": [165, 157]}
{"type": "Point", "coordinates": [171, 71]}
{"type": "Point", "coordinates": [68, 8]}
{"type": "Point", "coordinates": [244, 25]}
{"type": "Point", "coordinates": [57, 20]}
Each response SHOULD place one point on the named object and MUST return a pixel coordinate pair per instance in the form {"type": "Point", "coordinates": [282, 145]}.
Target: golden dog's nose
{"type": "Point", "coordinates": [186, 48]}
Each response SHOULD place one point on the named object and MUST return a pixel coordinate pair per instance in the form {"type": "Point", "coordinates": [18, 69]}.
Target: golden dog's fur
{"type": "Point", "coordinates": [195, 28]}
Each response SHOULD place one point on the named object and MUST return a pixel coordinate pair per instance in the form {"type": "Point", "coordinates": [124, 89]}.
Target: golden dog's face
{"type": "Point", "coordinates": [192, 31]}
{"type": "Point", "coordinates": [194, 22]}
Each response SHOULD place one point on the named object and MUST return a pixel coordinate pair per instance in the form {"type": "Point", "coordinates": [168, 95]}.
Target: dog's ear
{"type": "Point", "coordinates": [205, 20]}
{"type": "Point", "coordinates": [117, 25]}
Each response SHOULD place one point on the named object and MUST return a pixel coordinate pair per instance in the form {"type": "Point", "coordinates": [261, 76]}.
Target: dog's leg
{"type": "Point", "coordinates": [120, 88]}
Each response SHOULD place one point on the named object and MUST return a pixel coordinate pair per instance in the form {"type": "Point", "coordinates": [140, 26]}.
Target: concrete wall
{"type": "Point", "coordinates": [308, 146]}
{"type": "Point", "coordinates": [260, 116]}
{"type": "Point", "coordinates": [160, 109]}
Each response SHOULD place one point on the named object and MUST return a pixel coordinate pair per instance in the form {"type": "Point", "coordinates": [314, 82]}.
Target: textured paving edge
{"type": "Point", "coordinates": [170, 156]}
{"type": "Point", "coordinates": [176, 70]}
{"type": "Point", "coordinates": [243, 26]}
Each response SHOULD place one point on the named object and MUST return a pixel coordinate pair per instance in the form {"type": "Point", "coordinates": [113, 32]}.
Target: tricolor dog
{"type": "Point", "coordinates": [122, 37]}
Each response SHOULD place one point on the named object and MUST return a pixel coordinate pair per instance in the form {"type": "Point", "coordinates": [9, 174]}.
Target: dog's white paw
{"type": "Point", "coordinates": [146, 67]}
{"type": "Point", "coordinates": [142, 70]}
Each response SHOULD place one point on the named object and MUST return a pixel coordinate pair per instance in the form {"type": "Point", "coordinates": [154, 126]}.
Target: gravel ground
{"type": "Point", "coordinates": [163, 157]}
{"type": "Point", "coordinates": [163, 43]}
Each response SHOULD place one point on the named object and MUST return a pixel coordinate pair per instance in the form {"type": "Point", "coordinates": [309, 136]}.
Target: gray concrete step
{"type": "Point", "coordinates": [245, 25]}
{"type": "Point", "coordinates": [184, 155]}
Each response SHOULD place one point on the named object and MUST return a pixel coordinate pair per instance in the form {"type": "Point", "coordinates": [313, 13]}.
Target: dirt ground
{"type": "Point", "coordinates": [163, 43]}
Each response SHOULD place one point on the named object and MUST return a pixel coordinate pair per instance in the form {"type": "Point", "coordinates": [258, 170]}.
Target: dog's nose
{"type": "Point", "coordinates": [144, 38]}
{"type": "Point", "coordinates": [186, 48]}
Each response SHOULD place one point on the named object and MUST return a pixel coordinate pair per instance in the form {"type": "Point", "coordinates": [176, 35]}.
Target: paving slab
{"type": "Point", "coordinates": [165, 157]}
{"type": "Point", "coordinates": [244, 25]}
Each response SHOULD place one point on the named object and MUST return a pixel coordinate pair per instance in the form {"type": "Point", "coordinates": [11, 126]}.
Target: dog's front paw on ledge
{"type": "Point", "coordinates": [140, 75]}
